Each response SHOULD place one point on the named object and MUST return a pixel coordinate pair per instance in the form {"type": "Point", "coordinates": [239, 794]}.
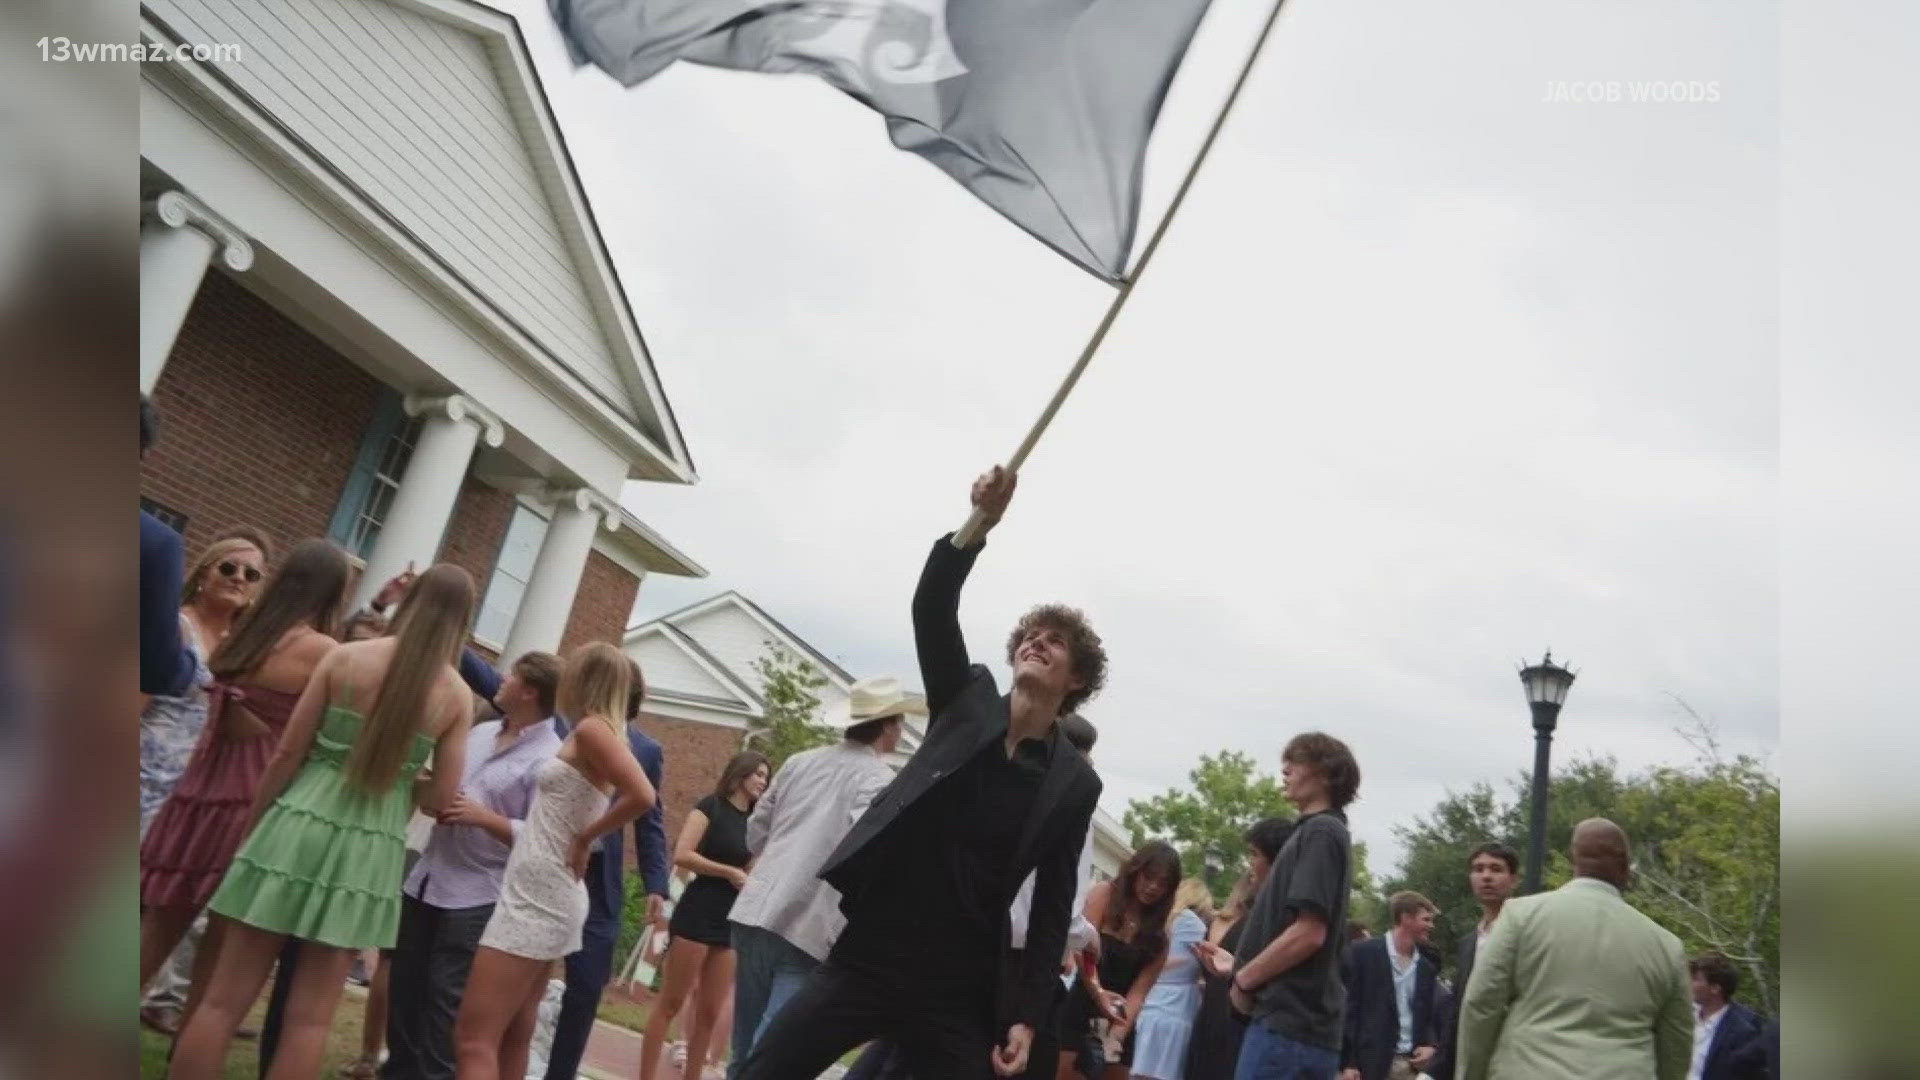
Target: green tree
{"type": "Point", "coordinates": [1207, 821]}
{"type": "Point", "coordinates": [1706, 847]}
{"type": "Point", "coordinates": [790, 722]}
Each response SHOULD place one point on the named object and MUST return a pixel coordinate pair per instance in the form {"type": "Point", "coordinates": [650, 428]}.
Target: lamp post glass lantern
{"type": "Point", "coordinates": [1546, 685]}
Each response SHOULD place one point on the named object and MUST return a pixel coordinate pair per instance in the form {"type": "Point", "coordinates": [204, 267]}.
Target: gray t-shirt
{"type": "Point", "coordinates": [1313, 872]}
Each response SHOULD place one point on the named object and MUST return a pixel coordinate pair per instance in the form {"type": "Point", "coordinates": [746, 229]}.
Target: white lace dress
{"type": "Point", "coordinates": [542, 906]}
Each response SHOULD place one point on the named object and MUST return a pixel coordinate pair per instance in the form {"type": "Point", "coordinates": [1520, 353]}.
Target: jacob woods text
{"type": "Point", "coordinates": [1638, 92]}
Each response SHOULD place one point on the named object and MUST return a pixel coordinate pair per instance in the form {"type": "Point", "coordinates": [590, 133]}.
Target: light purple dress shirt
{"type": "Point", "coordinates": [462, 864]}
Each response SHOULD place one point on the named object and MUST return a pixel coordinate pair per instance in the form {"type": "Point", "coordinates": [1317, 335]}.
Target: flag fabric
{"type": "Point", "coordinates": [1042, 108]}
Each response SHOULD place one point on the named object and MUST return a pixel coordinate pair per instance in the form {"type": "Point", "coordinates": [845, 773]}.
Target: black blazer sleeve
{"type": "Point", "coordinates": [936, 624]}
{"type": "Point", "coordinates": [166, 667]}
{"type": "Point", "coordinates": [1351, 974]}
{"type": "Point", "coordinates": [1056, 880]}
{"type": "Point", "coordinates": [1426, 991]}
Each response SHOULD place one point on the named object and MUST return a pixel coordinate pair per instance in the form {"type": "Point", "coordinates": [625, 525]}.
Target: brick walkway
{"type": "Point", "coordinates": [613, 1053]}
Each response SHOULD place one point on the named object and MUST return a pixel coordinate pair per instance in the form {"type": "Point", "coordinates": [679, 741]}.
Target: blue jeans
{"type": "Point", "coordinates": [768, 971]}
{"type": "Point", "coordinates": [1268, 1055]}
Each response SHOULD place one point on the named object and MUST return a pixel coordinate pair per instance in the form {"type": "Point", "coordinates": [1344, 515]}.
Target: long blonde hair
{"type": "Point", "coordinates": [1193, 895]}
{"type": "Point", "coordinates": [428, 631]}
{"type": "Point", "coordinates": [595, 683]}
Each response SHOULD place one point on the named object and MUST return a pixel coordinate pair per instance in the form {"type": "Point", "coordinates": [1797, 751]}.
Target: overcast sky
{"type": "Point", "coordinates": [1430, 374]}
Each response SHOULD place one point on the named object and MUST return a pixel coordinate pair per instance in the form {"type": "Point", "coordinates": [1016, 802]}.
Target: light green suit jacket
{"type": "Point", "coordinates": [1576, 983]}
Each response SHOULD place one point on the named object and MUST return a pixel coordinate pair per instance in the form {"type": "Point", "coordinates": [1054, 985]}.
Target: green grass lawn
{"type": "Point", "coordinates": [243, 1060]}
{"type": "Point", "coordinates": [617, 1008]}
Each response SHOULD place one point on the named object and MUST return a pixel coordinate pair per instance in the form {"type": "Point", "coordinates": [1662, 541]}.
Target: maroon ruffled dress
{"type": "Point", "coordinates": [194, 836]}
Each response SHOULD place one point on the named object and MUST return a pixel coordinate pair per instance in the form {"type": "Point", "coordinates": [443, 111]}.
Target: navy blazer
{"type": "Point", "coordinates": [166, 666]}
{"type": "Point", "coordinates": [606, 868]}
{"type": "Point", "coordinates": [1450, 1017]}
{"type": "Point", "coordinates": [1738, 1030]}
{"type": "Point", "coordinates": [1372, 1021]}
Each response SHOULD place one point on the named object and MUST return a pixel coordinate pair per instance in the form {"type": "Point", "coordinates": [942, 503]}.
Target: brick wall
{"type": "Point", "coordinates": [603, 604]}
{"type": "Point", "coordinates": [478, 527]}
{"type": "Point", "coordinates": [259, 421]}
{"type": "Point", "coordinates": [694, 754]}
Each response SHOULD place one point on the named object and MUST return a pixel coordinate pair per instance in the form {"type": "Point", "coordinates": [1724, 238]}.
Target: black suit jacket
{"type": "Point", "coordinates": [1726, 1056]}
{"type": "Point", "coordinates": [1450, 1020]}
{"type": "Point", "coordinates": [1372, 1021]}
{"type": "Point", "coordinates": [968, 714]}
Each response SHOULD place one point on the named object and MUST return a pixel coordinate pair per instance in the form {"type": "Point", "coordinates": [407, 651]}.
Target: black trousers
{"type": "Point", "coordinates": [431, 959]}
{"type": "Point", "coordinates": [943, 1033]}
{"type": "Point", "coordinates": [883, 1060]}
{"type": "Point", "coordinates": [587, 973]}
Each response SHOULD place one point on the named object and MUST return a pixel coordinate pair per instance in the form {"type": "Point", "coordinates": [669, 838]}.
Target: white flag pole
{"type": "Point", "coordinates": [966, 534]}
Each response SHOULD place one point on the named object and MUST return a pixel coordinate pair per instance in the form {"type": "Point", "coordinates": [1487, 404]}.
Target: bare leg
{"type": "Point", "coordinates": [684, 961]}
{"type": "Point", "coordinates": [237, 978]}
{"type": "Point", "coordinates": [319, 977]}
{"type": "Point", "coordinates": [716, 982]}
{"type": "Point", "coordinates": [723, 1029]}
{"type": "Point", "coordinates": [160, 932]}
{"type": "Point", "coordinates": [517, 1044]}
{"type": "Point", "coordinates": [373, 1035]}
{"type": "Point", "coordinates": [204, 960]}
{"type": "Point", "coordinates": [498, 988]}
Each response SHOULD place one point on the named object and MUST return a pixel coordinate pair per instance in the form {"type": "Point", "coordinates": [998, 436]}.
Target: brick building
{"type": "Point", "coordinates": [375, 307]}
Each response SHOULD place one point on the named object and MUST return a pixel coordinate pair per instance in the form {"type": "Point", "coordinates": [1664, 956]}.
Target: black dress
{"type": "Point", "coordinates": [1215, 1048]}
{"type": "Point", "coordinates": [701, 914]}
{"type": "Point", "coordinates": [1120, 964]}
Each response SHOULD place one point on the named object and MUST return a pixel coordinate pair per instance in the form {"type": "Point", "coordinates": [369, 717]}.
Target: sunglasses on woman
{"type": "Point", "coordinates": [234, 569]}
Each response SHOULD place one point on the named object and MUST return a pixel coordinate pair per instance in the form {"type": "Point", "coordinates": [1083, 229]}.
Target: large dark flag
{"type": "Point", "coordinates": [1042, 108]}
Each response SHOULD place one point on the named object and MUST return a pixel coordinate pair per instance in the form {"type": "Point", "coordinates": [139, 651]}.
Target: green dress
{"type": "Point", "coordinates": [325, 862]}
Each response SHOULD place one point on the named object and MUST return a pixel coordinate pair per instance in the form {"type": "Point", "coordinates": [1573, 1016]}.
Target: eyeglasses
{"type": "Point", "coordinates": [234, 569]}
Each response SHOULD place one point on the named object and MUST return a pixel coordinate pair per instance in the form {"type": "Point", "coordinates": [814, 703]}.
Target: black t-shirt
{"type": "Point", "coordinates": [1313, 872]}
{"type": "Point", "coordinates": [726, 838]}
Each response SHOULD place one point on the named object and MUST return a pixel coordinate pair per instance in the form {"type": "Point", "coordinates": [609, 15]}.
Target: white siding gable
{"type": "Point", "coordinates": [669, 669]}
{"type": "Point", "coordinates": [411, 112]}
{"type": "Point", "coordinates": [735, 638]}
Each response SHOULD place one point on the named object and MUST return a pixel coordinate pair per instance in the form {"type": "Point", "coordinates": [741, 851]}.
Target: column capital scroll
{"type": "Point", "coordinates": [459, 407]}
{"type": "Point", "coordinates": [182, 211]}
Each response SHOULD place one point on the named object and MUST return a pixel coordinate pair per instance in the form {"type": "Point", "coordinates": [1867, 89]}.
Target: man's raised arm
{"type": "Point", "coordinates": [936, 602]}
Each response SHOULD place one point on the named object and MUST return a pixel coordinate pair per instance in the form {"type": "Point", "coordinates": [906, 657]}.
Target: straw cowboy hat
{"type": "Point", "coordinates": [877, 699]}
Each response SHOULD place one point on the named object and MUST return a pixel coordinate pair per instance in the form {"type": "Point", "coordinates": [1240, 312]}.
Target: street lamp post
{"type": "Point", "coordinates": [1546, 685]}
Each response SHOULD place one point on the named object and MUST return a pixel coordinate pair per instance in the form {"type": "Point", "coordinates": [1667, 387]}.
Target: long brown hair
{"type": "Point", "coordinates": [595, 683]}
{"type": "Point", "coordinates": [1156, 858]}
{"type": "Point", "coordinates": [428, 631]}
{"type": "Point", "coordinates": [739, 767]}
{"type": "Point", "coordinates": [307, 590]}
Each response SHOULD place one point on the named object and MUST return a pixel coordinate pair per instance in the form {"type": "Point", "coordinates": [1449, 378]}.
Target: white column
{"type": "Point", "coordinates": [548, 601]}
{"type": "Point", "coordinates": [178, 237]}
{"type": "Point", "coordinates": [423, 505]}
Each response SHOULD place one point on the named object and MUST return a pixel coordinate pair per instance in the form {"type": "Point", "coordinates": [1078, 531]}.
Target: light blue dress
{"type": "Point", "coordinates": [1166, 1017]}
{"type": "Point", "coordinates": [169, 730]}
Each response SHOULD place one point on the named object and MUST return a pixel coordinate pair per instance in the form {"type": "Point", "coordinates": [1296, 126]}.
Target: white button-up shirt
{"type": "Point", "coordinates": [804, 814]}
{"type": "Point", "coordinates": [1704, 1028]}
{"type": "Point", "coordinates": [1404, 979]}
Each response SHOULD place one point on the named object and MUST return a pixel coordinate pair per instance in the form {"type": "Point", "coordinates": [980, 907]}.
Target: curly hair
{"type": "Point", "coordinates": [1085, 653]}
{"type": "Point", "coordinates": [1330, 758]}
